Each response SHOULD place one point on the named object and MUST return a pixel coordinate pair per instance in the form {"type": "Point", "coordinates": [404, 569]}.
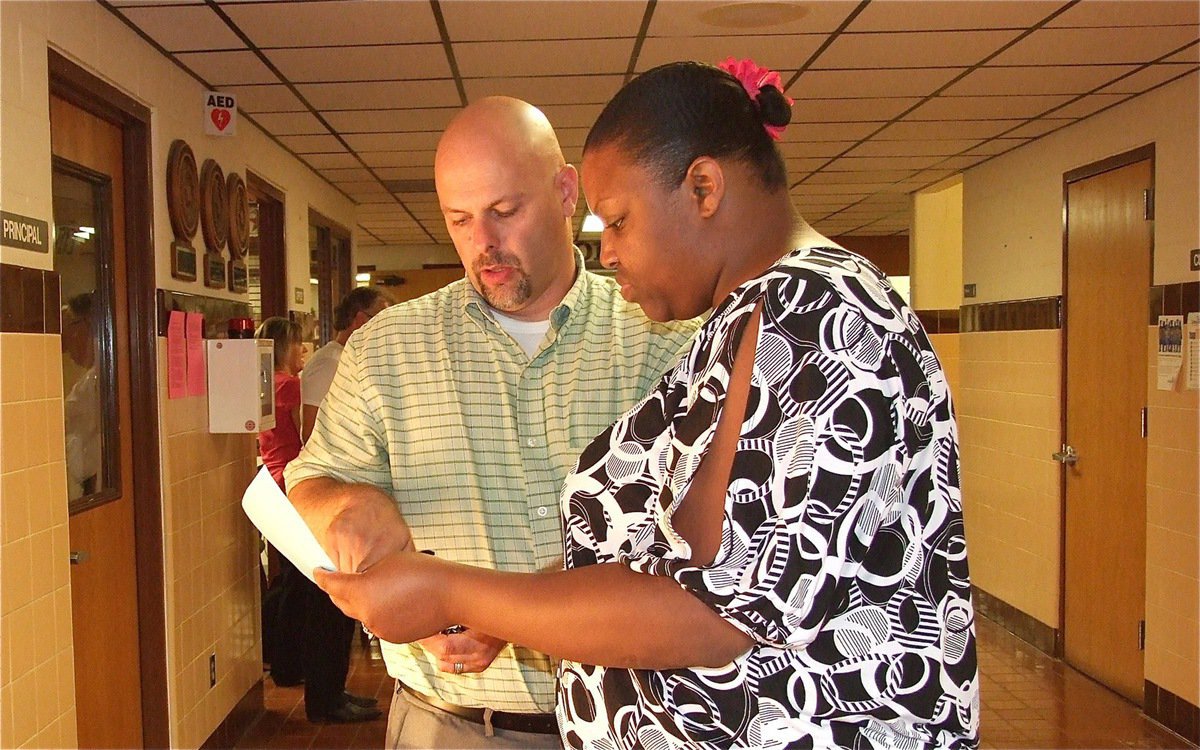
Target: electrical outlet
{"type": "Point", "coordinates": [968, 290]}
{"type": "Point", "coordinates": [212, 669]}
{"type": "Point", "coordinates": [1196, 260]}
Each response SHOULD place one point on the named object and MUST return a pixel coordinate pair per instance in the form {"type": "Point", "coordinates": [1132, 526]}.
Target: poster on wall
{"type": "Point", "coordinates": [1170, 350]}
{"type": "Point", "coordinates": [176, 355]}
{"type": "Point", "coordinates": [1193, 351]}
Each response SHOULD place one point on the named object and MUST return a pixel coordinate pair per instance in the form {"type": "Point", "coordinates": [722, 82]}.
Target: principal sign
{"type": "Point", "coordinates": [24, 232]}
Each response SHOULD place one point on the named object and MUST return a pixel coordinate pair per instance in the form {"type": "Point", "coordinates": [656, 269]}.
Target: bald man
{"type": "Point", "coordinates": [464, 410]}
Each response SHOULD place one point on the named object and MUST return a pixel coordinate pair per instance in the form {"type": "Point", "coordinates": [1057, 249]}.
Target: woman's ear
{"type": "Point", "coordinates": [566, 182]}
{"type": "Point", "coordinates": [705, 180]}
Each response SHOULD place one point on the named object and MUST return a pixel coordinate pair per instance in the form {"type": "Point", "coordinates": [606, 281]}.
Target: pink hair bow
{"type": "Point", "coordinates": [753, 77]}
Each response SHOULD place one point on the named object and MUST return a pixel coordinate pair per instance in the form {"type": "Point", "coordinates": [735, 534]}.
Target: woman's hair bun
{"type": "Point", "coordinates": [773, 106]}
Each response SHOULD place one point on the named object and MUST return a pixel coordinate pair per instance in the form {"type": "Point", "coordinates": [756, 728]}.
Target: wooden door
{"type": "Point", "coordinates": [1109, 243]}
{"type": "Point", "coordinates": [104, 595]}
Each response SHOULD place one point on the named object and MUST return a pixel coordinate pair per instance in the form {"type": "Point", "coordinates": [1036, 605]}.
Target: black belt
{"type": "Point", "coordinates": [532, 723]}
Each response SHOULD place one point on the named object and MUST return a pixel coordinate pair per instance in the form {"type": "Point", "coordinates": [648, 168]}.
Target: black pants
{"type": "Point", "coordinates": [305, 635]}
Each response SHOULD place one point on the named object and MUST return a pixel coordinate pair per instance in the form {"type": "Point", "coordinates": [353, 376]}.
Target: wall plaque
{"type": "Point", "coordinates": [239, 231]}
{"type": "Point", "coordinates": [183, 207]}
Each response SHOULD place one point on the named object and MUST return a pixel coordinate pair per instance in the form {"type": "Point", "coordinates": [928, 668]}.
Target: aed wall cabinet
{"type": "Point", "coordinates": [241, 385]}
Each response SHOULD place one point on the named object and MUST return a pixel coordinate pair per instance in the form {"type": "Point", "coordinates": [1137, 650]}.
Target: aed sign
{"type": "Point", "coordinates": [24, 232]}
{"type": "Point", "coordinates": [220, 113]}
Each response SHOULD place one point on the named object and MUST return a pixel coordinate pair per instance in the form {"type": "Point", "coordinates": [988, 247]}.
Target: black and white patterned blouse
{"type": "Point", "coordinates": [842, 553]}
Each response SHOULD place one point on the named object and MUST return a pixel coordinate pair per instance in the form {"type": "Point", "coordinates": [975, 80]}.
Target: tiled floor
{"type": "Point", "coordinates": [1029, 701]}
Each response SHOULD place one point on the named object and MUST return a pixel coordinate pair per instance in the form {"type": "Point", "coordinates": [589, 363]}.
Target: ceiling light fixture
{"type": "Point", "coordinates": [592, 224]}
{"type": "Point", "coordinates": [753, 15]}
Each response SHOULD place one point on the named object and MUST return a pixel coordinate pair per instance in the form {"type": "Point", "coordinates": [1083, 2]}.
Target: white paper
{"type": "Point", "coordinates": [275, 516]}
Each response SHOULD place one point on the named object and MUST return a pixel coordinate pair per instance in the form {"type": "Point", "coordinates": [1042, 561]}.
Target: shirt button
{"type": "Point", "coordinates": [542, 511]}
{"type": "Point", "coordinates": [531, 442]}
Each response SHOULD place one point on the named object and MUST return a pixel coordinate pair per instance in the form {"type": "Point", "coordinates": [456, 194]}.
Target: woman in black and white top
{"type": "Point", "coordinates": [768, 550]}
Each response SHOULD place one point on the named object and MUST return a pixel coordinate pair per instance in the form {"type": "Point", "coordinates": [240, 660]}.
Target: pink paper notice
{"type": "Point", "coordinates": [197, 375]}
{"type": "Point", "coordinates": [176, 356]}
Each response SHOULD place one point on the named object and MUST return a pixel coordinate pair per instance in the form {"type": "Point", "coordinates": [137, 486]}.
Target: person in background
{"type": "Point", "coordinates": [81, 407]}
{"type": "Point", "coordinates": [306, 638]}
{"type": "Point", "coordinates": [355, 309]}
{"type": "Point", "coordinates": [464, 410]}
{"type": "Point", "coordinates": [768, 551]}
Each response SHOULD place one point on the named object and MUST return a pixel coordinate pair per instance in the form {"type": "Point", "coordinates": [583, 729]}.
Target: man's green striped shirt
{"type": "Point", "coordinates": [435, 403]}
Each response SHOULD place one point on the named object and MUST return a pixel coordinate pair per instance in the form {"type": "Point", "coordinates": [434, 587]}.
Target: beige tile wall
{"type": "Point", "coordinates": [1172, 537]}
{"type": "Point", "coordinates": [211, 555]}
{"type": "Point", "coordinates": [1009, 405]}
{"type": "Point", "coordinates": [37, 670]}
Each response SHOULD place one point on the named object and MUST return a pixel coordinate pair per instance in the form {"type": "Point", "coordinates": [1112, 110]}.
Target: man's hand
{"type": "Point", "coordinates": [474, 650]}
{"type": "Point", "coordinates": [356, 524]}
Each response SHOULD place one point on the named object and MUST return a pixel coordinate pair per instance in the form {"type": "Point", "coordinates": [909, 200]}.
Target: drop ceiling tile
{"type": "Point", "coordinates": [782, 53]}
{"type": "Point", "coordinates": [879, 109]}
{"type": "Point", "coordinates": [996, 146]}
{"type": "Point", "coordinates": [1130, 13]}
{"type": "Point", "coordinates": [415, 158]}
{"type": "Point", "coordinates": [832, 84]}
{"type": "Point", "coordinates": [1190, 54]}
{"type": "Point", "coordinates": [342, 175]}
{"type": "Point", "coordinates": [507, 20]}
{"type": "Point", "coordinates": [833, 176]}
{"type": "Point", "coordinates": [571, 137]}
{"type": "Point", "coordinates": [317, 24]}
{"type": "Point", "coordinates": [222, 69]}
{"type": "Point", "coordinates": [290, 123]}
{"type": "Point", "coordinates": [431, 119]}
{"type": "Point", "coordinates": [543, 90]}
{"type": "Point", "coordinates": [918, 15]}
{"type": "Point", "coordinates": [265, 98]}
{"type": "Point", "coordinates": [688, 18]}
{"type": "Point", "coordinates": [308, 144]}
{"type": "Point", "coordinates": [392, 141]}
{"type": "Point", "coordinates": [944, 129]}
{"type": "Point", "coordinates": [424, 172]}
{"type": "Point", "coordinates": [570, 57]}
{"type": "Point", "coordinates": [1090, 105]}
{"type": "Point", "coordinates": [183, 27]}
{"type": "Point", "coordinates": [1056, 79]}
{"type": "Point", "coordinates": [1039, 127]}
{"type": "Point", "coordinates": [912, 49]}
{"type": "Point", "coordinates": [860, 189]}
{"type": "Point", "coordinates": [572, 115]}
{"type": "Point", "coordinates": [830, 131]}
{"type": "Point", "coordinates": [804, 149]}
{"type": "Point", "coordinates": [380, 94]}
{"type": "Point", "coordinates": [331, 160]}
{"type": "Point", "coordinates": [1148, 78]}
{"type": "Point", "coordinates": [1095, 46]}
{"type": "Point", "coordinates": [912, 148]}
{"type": "Point", "coordinates": [987, 107]}
{"type": "Point", "coordinates": [361, 63]}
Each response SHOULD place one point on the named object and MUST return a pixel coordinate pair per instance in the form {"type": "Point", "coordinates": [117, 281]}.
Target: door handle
{"type": "Point", "coordinates": [79, 557]}
{"type": "Point", "coordinates": [1067, 456]}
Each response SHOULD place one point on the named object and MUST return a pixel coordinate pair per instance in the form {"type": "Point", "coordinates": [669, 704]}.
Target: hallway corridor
{"type": "Point", "coordinates": [1029, 701]}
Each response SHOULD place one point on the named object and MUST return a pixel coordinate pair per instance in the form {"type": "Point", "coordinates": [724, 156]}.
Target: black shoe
{"type": "Point", "coordinates": [347, 713]}
{"type": "Point", "coordinates": [286, 680]}
{"type": "Point", "coordinates": [362, 701]}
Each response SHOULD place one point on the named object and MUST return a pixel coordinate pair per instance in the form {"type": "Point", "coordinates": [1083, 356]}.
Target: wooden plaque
{"type": "Point", "coordinates": [183, 191]}
{"type": "Point", "coordinates": [214, 206]}
{"type": "Point", "coordinates": [239, 215]}
{"type": "Point", "coordinates": [239, 276]}
{"type": "Point", "coordinates": [214, 270]}
{"type": "Point", "coordinates": [183, 261]}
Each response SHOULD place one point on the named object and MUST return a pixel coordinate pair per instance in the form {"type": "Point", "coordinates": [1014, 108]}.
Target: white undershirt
{"type": "Point", "coordinates": [527, 333]}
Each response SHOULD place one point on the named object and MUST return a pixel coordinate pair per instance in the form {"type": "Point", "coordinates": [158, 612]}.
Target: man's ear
{"type": "Point", "coordinates": [566, 182]}
{"type": "Point", "coordinates": [705, 181]}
